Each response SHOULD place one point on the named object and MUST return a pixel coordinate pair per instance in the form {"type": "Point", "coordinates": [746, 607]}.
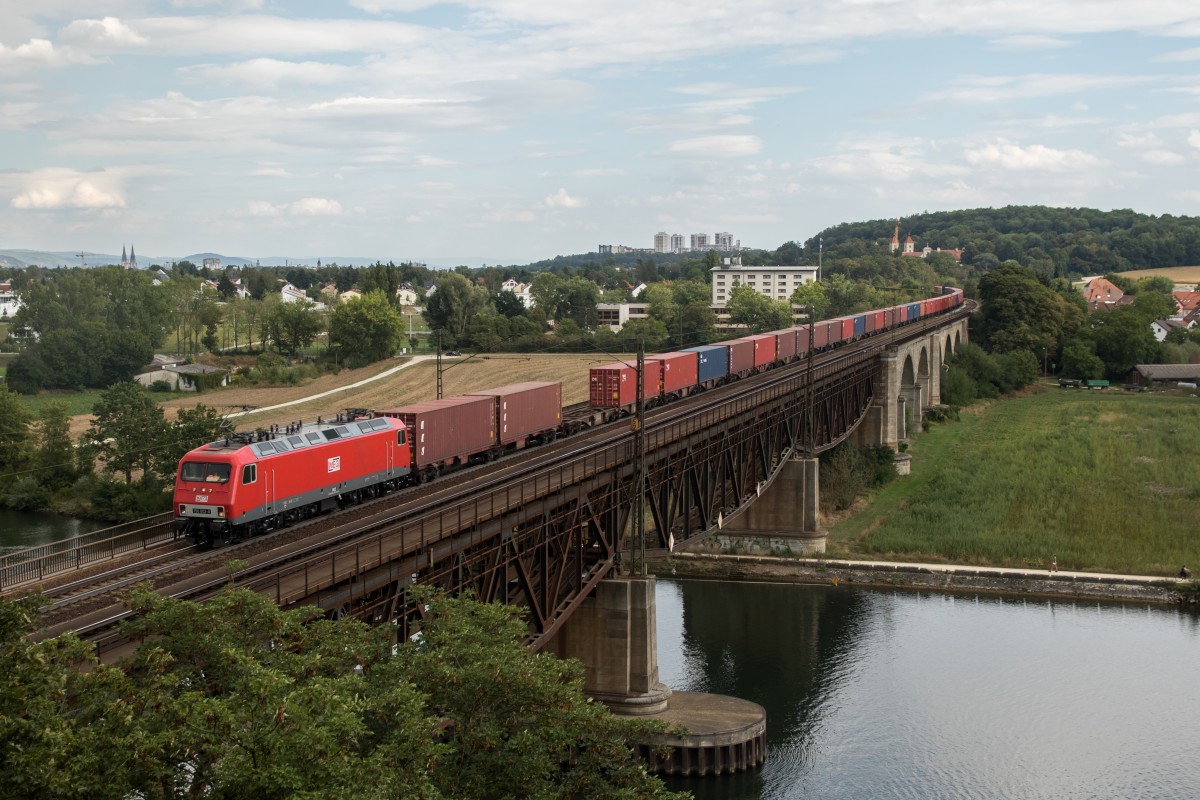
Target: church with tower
{"type": "Point", "coordinates": [910, 247]}
{"type": "Point", "coordinates": [128, 261]}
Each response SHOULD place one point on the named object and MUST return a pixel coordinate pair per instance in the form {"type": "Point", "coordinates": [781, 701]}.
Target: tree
{"type": "Point", "coordinates": [293, 326]}
{"type": "Point", "coordinates": [192, 427]}
{"type": "Point", "coordinates": [1019, 312]}
{"type": "Point", "coordinates": [239, 698]}
{"type": "Point", "coordinates": [455, 302]}
{"type": "Point", "coordinates": [1079, 359]}
{"type": "Point", "coordinates": [811, 297]}
{"type": "Point", "coordinates": [14, 432]}
{"type": "Point", "coordinates": [127, 430]}
{"type": "Point", "coordinates": [544, 740]}
{"type": "Point", "coordinates": [56, 452]}
{"type": "Point", "coordinates": [758, 313]}
{"type": "Point", "coordinates": [366, 330]}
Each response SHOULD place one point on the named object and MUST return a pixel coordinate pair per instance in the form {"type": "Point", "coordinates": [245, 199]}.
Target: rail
{"type": "Point", "coordinates": [34, 564]}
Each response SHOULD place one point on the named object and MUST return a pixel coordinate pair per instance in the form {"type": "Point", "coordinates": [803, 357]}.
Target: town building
{"type": "Point", "coordinates": [910, 247]}
{"type": "Point", "coordinates": [1164, 376]}
{"type": "Point", "coordinates": [777, 283]}
{"type": "Point", "coordinates": [10, 302]}
{"type": "Point", "coordinates": [615, 315]}
{"type": "Point", "coordinates": [128, 261]}
{"type": "Point", "coordinates": [521, 290]}
{"type": "Point", "coordinates": [1102, 294]}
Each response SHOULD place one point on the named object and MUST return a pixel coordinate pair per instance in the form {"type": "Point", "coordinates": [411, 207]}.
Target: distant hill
{"type": "Point", "coordinates": [47, 258]}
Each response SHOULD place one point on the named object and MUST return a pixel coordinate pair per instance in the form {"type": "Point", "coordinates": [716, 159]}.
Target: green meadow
{"type": "Point", "coordinates": [1107, 481]}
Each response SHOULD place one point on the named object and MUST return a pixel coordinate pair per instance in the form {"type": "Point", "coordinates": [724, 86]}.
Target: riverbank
{"type": "Point", "coordinates": [938, 577]}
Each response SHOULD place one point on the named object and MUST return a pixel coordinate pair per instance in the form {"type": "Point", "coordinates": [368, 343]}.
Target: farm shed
{"type": "Point", "coordinates": [1159, 376]}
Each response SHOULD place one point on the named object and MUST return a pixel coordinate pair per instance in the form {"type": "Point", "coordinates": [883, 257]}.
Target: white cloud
{"type": "Point", "coordinates": [271, 172]}
{"type": "Point", "coordinates": [1193, 138]}
{"type": "Point", "coordinates": [271, 72]}
{"type": "Point", "coordinates": [561, 199]}
{"type": "Point", "coordinates": [305, 207]}
{"type": "Point", "coordinates": [1162, 157]}
{"type": "Point", "coordinates": [41, 52]}
{"type": "Point", "coordinates": [981, 89]}
{"type": "Point", "coordinates": [1029, 42]}
{"type": "Point", "coordinates": [1191, 54]}
{"type": "Point", "coordinates": [1008, 155]}
{"type": "Point", "coordinates": [316, 207]}
{"type": "Point", "coordinates": [101, 34]}
{"type": "Point", "coordinates": [717, 146]}
{"type": "Point", "coordinates": [66, 188]}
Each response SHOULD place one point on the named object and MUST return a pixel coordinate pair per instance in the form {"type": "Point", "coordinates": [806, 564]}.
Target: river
{"type": "Point", "coordinates": [896, 694]}
{"type": "Point", "coordinates": [20, 529]}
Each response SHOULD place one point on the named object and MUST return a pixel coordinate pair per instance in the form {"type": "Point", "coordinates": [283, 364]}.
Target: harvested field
{"type": "Point", "coordinates": [1185, 275]}
{"type": "Point", "coordinates": [413, 384]}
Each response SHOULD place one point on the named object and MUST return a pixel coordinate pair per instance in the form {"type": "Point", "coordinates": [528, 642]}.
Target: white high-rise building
{"type": "Point", "coordinates": [699, 242]}
{"type": "Point", "coordinates": [723, 242]}
{"type": "Point", "coordinates": [676, 242]}
{"type": "Point", "coordinates": [777, 283]}
{"type": "Point", "coordinates": [661, 242]}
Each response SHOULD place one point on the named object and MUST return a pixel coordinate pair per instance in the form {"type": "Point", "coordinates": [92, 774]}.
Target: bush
{"type": "Point", "coordinates": [160, 386]}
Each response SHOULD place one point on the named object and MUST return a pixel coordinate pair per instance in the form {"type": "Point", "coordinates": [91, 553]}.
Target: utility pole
{"type": "Point", "coordinates": [439, 365]}
{"type": "Point", "coordinates": [810, 448]}
{"type": "Point", "coordinates": [820, 254]}
{"type": "Point", "coordinates": [639, 441]}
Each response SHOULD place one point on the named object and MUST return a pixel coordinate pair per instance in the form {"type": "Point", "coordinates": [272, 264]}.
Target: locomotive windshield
{"type": "Point", "coordinates": [204, 472]}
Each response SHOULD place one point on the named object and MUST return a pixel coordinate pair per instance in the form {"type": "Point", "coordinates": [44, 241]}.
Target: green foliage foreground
{"type": "Point", "coordinates": [1105, 481]}
{"type": "Point", "coordinates": [238, 699]}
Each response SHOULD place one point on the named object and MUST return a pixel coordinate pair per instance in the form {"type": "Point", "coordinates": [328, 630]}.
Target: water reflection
{"type": "Point", "coordinates": [877, 694]}
{"type": "Point", "coordinates": [20, 529]}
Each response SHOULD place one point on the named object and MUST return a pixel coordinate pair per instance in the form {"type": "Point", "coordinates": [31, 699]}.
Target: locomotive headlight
{"type": "Point", "coordinates": [220, 511]}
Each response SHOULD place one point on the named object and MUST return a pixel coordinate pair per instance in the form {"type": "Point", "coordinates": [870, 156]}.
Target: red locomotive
{"type": "Point", "coordinates": [250, 483]}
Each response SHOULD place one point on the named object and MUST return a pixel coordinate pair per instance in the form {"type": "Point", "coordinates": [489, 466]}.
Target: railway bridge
{"type": "Point", "coordinates": [558, 529]}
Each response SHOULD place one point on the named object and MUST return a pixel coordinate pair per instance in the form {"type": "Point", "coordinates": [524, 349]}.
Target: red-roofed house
{"type": "Point", "coordinates": [1101, 293]}
{"type": "Point", "coordinates": [1188, 302]}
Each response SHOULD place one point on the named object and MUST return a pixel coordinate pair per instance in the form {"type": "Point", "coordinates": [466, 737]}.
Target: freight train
{"type": "Point", "coordinates": [251, 483]}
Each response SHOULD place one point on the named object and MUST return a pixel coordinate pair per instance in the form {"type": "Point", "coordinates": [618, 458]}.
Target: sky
{"type": "Point", "coordinates": [508, 131]}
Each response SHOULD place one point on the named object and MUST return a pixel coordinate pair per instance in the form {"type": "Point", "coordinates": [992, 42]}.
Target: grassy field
{"type": "Point", "coordinates": [1105, 481]}
{"type": "Point", "coordinates": [1187, 275]}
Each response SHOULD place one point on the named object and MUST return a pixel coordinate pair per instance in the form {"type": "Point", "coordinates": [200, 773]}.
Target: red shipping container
{"type": "Point", "coordinates": [764, 349]}
{"type": "Point", "coordinates": [615, 386]}
{"type": "Point", "coordinates": [448, 430]}
{"type": "Point", "coordinates": [525, 409]}
{"type": "Point", "coordinates": [679, 371]}
{"type": "Point", "coordinates": [802, 337]}
{"type": "Point", "coordinates": [826, 333]}
{"type": "Point", "coordinates": [741, 356]}
{"type": "Point", "coordinates": [901, 314]}
{"type": "Point", "coordinates": [847, 328]}
{"type": "Point", "coordinates": [785, 343]}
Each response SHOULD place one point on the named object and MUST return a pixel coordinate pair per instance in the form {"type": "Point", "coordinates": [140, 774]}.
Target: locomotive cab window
{"type": "Point", "coordinates": [400, 437]}
{"type": "Point", "coordinates": [204, 472]}
{"type": "Point", "coordinates": [249, 474]}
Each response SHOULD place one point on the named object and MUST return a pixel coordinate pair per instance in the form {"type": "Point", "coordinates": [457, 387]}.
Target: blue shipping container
{"type": "Point", "coordinates": [713, 361]}
{"type": "Point", "coordinates": [860, 325]}
{"type": "Point", "coordinates": [914, 311]}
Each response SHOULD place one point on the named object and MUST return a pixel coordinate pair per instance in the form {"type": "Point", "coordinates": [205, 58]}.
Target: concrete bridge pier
{"type": "Point", "coordinates": [614, 634]}
{"type": "Point", "coordinates": [784, 519]}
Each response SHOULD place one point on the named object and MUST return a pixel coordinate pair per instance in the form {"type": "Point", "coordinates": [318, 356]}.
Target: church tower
{"type": "Point", "coordinates": [132, 258]}
{"type": "Point", "coordinates": [896, 236]}
{"type": "Point", "coordinates": [124, 258]}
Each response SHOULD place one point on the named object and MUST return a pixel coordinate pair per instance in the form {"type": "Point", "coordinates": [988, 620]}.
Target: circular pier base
{"type": "Point", "coordinates": [725, 734]}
